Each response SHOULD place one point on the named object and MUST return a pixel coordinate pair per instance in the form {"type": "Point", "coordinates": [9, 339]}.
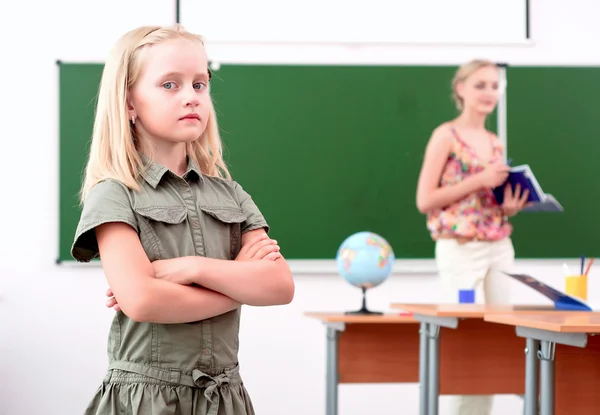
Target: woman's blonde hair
{"type": "Point", "coordinates": [465, 71]}
{"type": "Point", "coordinates": [113, 153]}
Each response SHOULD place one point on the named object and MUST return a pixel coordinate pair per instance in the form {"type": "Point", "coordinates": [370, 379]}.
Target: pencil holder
{"type": "Point", "coordinates": [577, 286]}
{"type": "Point", "coordinates": [466, 296]}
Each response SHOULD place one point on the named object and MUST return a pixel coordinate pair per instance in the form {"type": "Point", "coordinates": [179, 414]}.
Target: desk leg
{"type": "Point", "coordinates": [332, 371]}
{"type": "Point", "coordinates": [433, 391]}
{"type": "Point", "coordinates": [429, 362]}
{"type": "Point", "coordinates": [531, 377]}
{"type": "Point", "coordinates": [546, 356]}
{"type": "Point", "coordinates": [423, 364]}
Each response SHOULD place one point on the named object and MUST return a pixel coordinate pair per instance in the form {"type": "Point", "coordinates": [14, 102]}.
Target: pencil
{"type": "Point", "coordinates": [587, 270]}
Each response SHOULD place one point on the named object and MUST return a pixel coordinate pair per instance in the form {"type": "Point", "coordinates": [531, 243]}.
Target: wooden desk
{"type": "Point", "coordinates": [368, 349]}
{"type": "Point", "coordinates": [459, 362]}
{"type": "Point", "coordinates": [577, 386]}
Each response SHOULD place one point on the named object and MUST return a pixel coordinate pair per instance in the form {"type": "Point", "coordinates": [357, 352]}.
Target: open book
{"type": "Point", "coordinates": [561, 300]}
{"type": "Point", "coordinates": [523, 175]}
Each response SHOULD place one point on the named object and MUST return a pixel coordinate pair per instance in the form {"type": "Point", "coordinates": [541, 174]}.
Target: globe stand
{"type": "Point", "coordinates": [364, 311]}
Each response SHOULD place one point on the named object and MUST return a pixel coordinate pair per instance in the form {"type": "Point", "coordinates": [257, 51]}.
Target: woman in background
{"type": "Point", "coordinates": [463, 162]}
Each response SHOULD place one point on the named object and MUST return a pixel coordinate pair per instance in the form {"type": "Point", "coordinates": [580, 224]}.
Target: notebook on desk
{"type": "Point", "coordinates": [561, 300]}
{"type": "Point", "coordinates": [523, 175]}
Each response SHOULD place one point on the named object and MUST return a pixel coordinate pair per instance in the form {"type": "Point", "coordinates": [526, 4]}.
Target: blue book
{"type": "Point", "coordinates": [523, 175]}
{"type": "Point", "coordinates": [562, 301]}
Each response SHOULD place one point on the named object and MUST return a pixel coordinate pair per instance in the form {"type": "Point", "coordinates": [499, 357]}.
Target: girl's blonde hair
{"type": "Point", "coordinates": [113, 153]}
{"type": "Point", "coordinates": [465, 71]}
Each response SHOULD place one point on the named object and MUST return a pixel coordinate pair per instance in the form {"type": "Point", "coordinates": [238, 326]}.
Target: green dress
{"type": "Point", "coordinates": [172, 369]}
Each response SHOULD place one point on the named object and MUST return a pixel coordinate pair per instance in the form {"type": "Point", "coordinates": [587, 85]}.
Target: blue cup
{"type": "Point", "coordinates": [466, 296]}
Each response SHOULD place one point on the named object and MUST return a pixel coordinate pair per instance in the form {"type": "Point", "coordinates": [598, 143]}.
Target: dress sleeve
{"type": "Point", "coordinates": [108, 201]}
{"type": "Point", "coordinates": [254, 219]}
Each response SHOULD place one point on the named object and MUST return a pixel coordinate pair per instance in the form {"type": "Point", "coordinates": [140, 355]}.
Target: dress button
{"type": "Point", "coordinates": [195, 224]}
{"type": "Point", "coordinates": [206, 351]}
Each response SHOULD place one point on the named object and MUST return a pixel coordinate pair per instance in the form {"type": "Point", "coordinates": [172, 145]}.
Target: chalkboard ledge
{"type": "Point", "coordinates": [402, 267]}
{"type": "Point", "coordinates": [329, 267]}
{"type": "Point", "coordinates": [313, 266]}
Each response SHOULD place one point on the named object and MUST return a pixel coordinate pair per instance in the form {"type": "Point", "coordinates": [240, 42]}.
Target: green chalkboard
{"type": "Point", "coordinates": [78, 88]}
{"type": "Point", "coordinates": [553, 127]}
{"type": "Point", "coordinates": [327, 151]}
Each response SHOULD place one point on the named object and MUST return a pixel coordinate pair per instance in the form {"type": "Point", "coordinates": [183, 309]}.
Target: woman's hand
{"type": "Point", "coordinates": [514, 202]}
{"type": "Point", "coordinates": [260, 247]}
{"type": "Point", "coordinates": [494, 175]}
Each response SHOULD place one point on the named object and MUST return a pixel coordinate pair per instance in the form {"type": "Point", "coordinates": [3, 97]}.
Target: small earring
{"type": "Point", "coordinates": [133, 119]}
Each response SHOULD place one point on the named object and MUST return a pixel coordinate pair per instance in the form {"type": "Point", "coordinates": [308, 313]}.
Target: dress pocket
{"type": "Point", "coordinates": [161, 230]}
{"type": "Point", "coordinates": [223, 228]}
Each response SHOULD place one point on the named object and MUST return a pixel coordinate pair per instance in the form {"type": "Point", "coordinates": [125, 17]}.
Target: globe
{"type": "Point", "coordinates": [365, 260]}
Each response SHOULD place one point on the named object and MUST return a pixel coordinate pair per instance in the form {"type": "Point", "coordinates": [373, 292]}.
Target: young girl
{"type": "Point", "coordinates": [463, 162]}
{"type": "Point", "coordinates": [182, 246]}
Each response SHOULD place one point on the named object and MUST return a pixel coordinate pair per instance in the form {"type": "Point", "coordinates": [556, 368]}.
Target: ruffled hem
{"type": "Point", "coordinates": [146, 396]}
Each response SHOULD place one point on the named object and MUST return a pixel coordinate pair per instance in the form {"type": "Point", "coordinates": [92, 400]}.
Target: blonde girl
{"type": "Point", "coordinates": [182, 246]}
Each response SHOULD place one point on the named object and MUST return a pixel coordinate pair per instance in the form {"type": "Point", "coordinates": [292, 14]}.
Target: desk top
{"type": "Point", "coordinates": [559, 321]}
{"type": "Point", "coordinates": [337, 317]}
{"type": "Point", "coordinates": [470, 310]}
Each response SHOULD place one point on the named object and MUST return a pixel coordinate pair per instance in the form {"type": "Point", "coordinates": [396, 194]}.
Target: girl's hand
{"type": "Point", "coordinates": [112, 301]}
{"type": "Point", "coordinates": [261, 247]}
{"type": "Point", "coordinates": [514, 202]}
{"type": "Point", "coordinates": [177, 270]}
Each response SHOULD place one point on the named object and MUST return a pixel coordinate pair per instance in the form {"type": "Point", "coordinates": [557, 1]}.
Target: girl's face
{"type": "Point", "coordinates": [480, 90]}
{"type": "Point", "coordinates": [171, 101]}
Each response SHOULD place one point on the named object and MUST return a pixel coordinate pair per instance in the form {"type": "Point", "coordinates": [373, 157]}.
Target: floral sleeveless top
{"type": "Point", "coordinates": [478, 216]}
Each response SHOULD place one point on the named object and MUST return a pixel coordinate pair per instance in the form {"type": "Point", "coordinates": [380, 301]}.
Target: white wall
{"type": "Point", "coordinates": [343, 21]}
{"type": "Point", "coordinates": [53, 322]}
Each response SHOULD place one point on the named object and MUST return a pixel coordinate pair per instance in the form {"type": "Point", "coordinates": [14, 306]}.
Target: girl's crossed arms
{"type": "Point", "coordinates": [147, 291]}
